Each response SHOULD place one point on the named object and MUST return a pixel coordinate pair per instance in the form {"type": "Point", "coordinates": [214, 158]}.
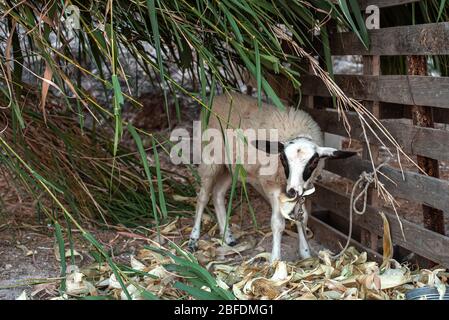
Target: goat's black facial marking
{"type": "Point", "coordinates": [339, 154]}
{"type": "Point", "coordinates": [310, 167]}
{"type": "Point", "coordinates": [285, 164]}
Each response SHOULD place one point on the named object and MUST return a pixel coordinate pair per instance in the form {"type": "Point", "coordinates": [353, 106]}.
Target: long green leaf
{"type": "Point", "coordinates": [144, 160]}
{"type": "Point", "coordinates": [160, 186]}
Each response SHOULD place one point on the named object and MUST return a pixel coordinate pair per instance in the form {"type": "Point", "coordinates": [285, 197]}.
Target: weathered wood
{"type": "Point", "coordinates": [390, 110]}
{"type": "Point", "coordinates": [402, 91]}
{"type": "Point", "coordinates": [371, 67]}
{"type": "Point", "coordinates": [422, 39]}
{"type": "Point", "coordinates": [416, 187]}
{"type": "Point", "coordinates": [409, 90]}
{"type": "Point", "coordinates": [424, 242]}
{"type": "Point", "coordinates": [384, 3]}
{"type": "Point", "coordinates": [423, 117]}
{"type": "Point", "coordinates": [335, 240]}
{"type": "Point", "coordinates": [413, 140]}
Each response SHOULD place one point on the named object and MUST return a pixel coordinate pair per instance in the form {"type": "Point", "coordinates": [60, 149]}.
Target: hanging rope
{"type": "Point", "coordinates": [367, 179]}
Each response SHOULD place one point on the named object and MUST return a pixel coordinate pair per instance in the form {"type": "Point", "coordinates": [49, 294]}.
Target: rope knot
{"type": "Point", "coordinates": [368, 177]}
{"type": "Point", "coordinates": [364, 182]}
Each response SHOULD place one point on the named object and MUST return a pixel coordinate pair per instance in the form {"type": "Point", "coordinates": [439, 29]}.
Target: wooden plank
{"type": "Point", "coordinates": [384, 3]}
{"type": "Point", "coordinates": [416, 187]}
{"type": "Point", "coordinates": [413, 139]}
{"type": "Point", "coordinates": [423, 117]}
{"type": "Point", "coordinates": [424, 242]}
{"type": "Point", "coordinates": [409, 90]}
{"type": "Point", "coordinates": [335, 240]}
{"type": "Point", "coordinates": [421, 39]}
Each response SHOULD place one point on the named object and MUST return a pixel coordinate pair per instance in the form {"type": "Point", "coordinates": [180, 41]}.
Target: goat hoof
{"type": "Point", "coordinates": [232, 243]}
{"type": "Point", "coordinates": [193, 245]}
{"type": "Point", "coordinates": [305, 254]}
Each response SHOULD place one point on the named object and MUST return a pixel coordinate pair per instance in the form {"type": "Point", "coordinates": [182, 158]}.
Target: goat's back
{"type": "Point", "coordinates": [242, 111]}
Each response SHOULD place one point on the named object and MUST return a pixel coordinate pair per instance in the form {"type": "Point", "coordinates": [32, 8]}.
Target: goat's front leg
{"type": "Point", "coordinates": [304, 249]}
{"type": "Point", "coordinates": [222, 185]}
{"type": "Point", "coordinates": [277, 227]}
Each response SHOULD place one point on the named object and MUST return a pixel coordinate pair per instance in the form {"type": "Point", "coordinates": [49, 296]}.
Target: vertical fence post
{"type": "Point", "coordinates": [423, 117]}
{"type": "Point", "coordinates": [371, 66]}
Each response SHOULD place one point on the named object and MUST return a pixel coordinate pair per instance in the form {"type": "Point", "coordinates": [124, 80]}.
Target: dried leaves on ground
{"type": "Point", "coordinates": [243, 272]}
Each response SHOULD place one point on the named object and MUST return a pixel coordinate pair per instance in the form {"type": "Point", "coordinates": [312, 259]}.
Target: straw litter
{"type": "Point", "coordinates": [169, 274]}
{"type": "Point", "coordinates": [243, 272]}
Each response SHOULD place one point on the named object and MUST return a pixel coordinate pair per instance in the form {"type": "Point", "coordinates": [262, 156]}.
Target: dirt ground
{"type": "Point", "coordinates": [28, 249]}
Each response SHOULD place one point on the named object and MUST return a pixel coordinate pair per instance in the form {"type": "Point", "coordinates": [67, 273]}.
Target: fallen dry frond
{"type": "Point", "coordinates": [244, 273]}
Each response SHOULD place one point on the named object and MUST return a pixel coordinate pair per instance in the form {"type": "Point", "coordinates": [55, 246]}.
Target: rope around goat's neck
{"type": "Point", "coordinates": [368, 178]}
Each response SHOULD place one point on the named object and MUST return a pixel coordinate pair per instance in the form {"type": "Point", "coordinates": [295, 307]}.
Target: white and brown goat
{"type": "Point", "coordinates": [299, 147]}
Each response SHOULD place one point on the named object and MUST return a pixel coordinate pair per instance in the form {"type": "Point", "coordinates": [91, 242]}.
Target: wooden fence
{"type": "Point", "coordinates": [415, 96]}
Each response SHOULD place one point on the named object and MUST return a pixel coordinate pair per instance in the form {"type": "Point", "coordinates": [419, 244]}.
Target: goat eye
{"type": "Point", "coordinates": [314, 163]}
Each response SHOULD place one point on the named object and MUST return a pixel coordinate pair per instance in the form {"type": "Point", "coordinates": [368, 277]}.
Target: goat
{"type": "Point", "coordinates": [299, 149]}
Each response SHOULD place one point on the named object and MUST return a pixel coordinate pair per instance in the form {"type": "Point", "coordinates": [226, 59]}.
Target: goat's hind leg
{"type": "Point", "coordinates": [208, 174]}
{"type": "Point", "coordinates": [223, 182]}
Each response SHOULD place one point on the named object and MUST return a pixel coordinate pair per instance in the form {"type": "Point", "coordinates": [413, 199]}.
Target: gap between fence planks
{"type": "Point", "coordinates": [335, 240]}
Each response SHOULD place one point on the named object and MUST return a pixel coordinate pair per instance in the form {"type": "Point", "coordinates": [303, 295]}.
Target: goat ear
{"type": "Point", "coordinates": [268, 146]}
{"type": "Point", "coordinates": [332, 153]}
